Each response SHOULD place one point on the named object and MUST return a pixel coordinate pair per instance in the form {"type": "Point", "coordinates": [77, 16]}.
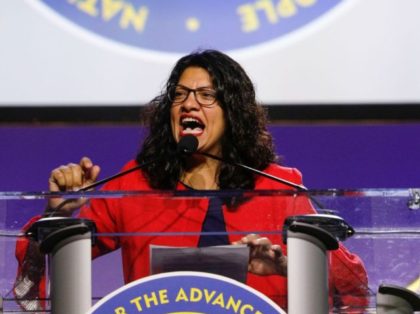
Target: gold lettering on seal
{"type": "Point", "coordinates": [251, 14]}
{"type": "Point", "coordinates": [86, 6]}
{"type": "Point", "coordinates": [110, 8]}
{"type": "Point", "coordinates": [125, 12]}
{"type": "Point", "coordinates": [132, 17]}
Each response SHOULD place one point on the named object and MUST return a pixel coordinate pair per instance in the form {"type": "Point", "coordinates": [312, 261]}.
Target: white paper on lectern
{"type": "Point", "coordinates": [226, 260]}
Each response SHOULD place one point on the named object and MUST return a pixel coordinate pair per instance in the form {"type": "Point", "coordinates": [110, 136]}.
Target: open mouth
{"type": "Point", "coordinates": [191, 125]}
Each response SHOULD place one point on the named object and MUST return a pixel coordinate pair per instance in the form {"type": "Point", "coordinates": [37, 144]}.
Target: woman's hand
{"type": "Point", "coordinates": [71, 177]}
{"type": "Point", "coordinates": [265, 258]}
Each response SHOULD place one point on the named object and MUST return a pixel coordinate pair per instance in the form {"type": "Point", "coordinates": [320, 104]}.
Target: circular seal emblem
{"type": "Point", "coordinates": [185, 25]}
{"type": "Point", "coordinates": [186, 293]}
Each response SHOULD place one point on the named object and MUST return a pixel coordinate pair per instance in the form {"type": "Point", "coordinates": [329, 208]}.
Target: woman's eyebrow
{"type": "Point", "coordinates": [200, 87]}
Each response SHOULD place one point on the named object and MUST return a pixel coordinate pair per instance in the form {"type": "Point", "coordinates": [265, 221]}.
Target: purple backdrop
{"type": "Point", "coordinates": [344, 156]}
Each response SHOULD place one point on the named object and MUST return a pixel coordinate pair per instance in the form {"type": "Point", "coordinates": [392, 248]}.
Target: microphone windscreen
{"type": "Point", "coordinates": [187, 145]}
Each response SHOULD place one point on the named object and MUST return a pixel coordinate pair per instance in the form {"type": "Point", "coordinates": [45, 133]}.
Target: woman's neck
{"type": "Point", "coordinates": [202, 174]}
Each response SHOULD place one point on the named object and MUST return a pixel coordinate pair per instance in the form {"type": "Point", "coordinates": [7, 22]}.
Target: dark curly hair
{"type": "Point", "coordinates": [246, 139]}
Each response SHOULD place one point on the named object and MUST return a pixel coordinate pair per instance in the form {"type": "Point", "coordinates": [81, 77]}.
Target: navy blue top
{"type": "Point", "coordinates": [214, 222]}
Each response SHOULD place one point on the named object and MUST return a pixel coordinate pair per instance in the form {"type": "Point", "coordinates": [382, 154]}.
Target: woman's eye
{"type": "Point", "coordinates": [179, 94]}
{"type": "Point", "coordinates": [207, 94]}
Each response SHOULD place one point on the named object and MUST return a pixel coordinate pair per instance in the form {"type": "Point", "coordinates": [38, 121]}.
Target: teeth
{"type": "Point", "coordinates": [191, 125]}
{"type": "Point", "coordinates": [190, 131]}
{"type": "Point", "coordinates": [189, 119]}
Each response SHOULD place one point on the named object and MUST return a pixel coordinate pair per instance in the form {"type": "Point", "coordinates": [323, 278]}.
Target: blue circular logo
{"type": "Point", "coordinates": [184, 25]}
{"type": "Point", "coordinates": [186, 293]}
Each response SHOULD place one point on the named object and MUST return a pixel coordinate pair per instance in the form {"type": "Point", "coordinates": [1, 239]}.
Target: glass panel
{"type": "Point", "coordinates": [386, 239]}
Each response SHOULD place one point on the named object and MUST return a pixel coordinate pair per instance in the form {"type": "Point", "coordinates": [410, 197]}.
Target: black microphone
{"type": "Point", "coordinates": [187, 145]}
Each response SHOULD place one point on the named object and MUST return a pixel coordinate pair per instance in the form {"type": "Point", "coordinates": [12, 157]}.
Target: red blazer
{"type": "Point", "coordinates": [152, 214]}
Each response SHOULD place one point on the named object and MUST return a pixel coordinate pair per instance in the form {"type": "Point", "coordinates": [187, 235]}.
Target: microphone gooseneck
{"type": "Point", "coordinates": [259, 172]}
{"type": "Point", "coordinates": [188, 145]}
{"type": "Point", "coordinates": [298, 187]}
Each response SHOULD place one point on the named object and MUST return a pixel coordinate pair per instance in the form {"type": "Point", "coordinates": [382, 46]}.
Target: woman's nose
{"type": "Point", "coordinates": [190, 103]}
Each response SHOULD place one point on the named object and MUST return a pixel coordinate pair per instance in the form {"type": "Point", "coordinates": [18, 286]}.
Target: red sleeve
{"type": "Point", "coordinates": [348, 280]}
{"type": "Point", "coordinates": [31, 278]}
{"type": "Point", "coordinates": [106, 212]}
{"type": "Point", "coordinates": [102, 212]}
{"type": "Point", "coordinates": [30, 284]}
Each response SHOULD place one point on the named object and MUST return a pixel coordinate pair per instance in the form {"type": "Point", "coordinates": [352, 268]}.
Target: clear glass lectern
{"type": "Point", "coordinates": [149, 232]}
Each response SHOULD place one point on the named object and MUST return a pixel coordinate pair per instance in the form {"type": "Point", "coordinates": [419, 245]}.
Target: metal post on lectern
{"type": "Point", "coordinates": [68, 242]}
{"type": "Point", "coordinates": [309, 238]}
{"type": "Point", "coordinates": [392, 299]}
